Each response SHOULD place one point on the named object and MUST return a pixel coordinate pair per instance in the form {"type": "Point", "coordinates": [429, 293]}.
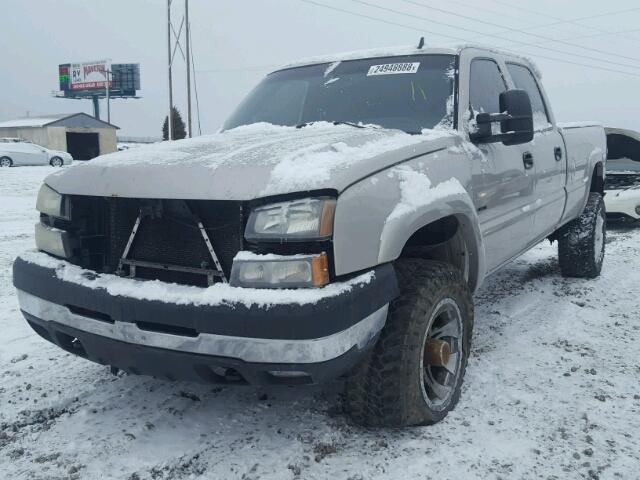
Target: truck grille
{"type": "Point", "coordinates": [167, 235]}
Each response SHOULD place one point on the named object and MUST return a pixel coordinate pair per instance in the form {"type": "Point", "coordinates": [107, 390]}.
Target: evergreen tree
{"type": "Point", "coordinates": [179, 129]}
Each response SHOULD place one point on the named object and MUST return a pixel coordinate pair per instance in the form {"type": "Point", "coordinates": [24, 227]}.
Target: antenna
{"type": "Point", "coordinates": [421, 43]}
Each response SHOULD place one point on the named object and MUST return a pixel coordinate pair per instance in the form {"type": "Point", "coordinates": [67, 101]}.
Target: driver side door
{"type": "Point", "coordinates": [505, 192]}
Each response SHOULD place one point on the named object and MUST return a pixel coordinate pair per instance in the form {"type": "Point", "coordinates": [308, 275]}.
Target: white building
{"type": "Point", "coordinates": [82, 135]}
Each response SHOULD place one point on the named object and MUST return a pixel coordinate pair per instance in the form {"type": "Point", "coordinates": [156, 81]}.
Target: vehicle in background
{"type": "Point", "coordinates": [622, 189]}
{"type": "Point", "coordinates": [622, 184]}
{"type": "Point", "coordinates": [339, 224]}
{"type": "Point", "coordinates": [21, 153]}
{"type": "Point", "coordinates": [13, 140]}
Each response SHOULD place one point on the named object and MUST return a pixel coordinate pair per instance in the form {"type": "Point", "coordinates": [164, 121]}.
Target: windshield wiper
{"type": "Point", "coordinates": [351, 124]}
{"type": "Point", "coordinates": [336, 122]}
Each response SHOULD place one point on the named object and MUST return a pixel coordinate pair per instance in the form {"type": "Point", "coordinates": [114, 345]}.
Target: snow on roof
{"type": "Point", "coordinates": [44, 120]}
{"type": "Point", "coordinates": [35, 121]}
{"type": "Point", "coordinates": [406, 50]}
{"type": "Point", "coordinates": [371, 53]}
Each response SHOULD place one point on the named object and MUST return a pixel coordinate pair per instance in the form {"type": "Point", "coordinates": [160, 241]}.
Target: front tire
{"type": "Point", "coordinates": [414, 374]}
{"type": "Point", "coordinates": [5, 162]}
{"type": "Point", "coordinates": [581, 243]}
{"type": "Point", "coordinates": [56, 162]}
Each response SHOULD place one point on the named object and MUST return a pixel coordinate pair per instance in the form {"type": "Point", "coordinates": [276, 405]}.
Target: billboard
{"type": "Point", "coordinates": [88, 79]}
{"type": "Point", "coordinates": [89, 75]}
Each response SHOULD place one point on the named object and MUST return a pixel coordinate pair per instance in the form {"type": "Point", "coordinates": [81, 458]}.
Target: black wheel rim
{"type": "Point", "coordinates": [442, 354]}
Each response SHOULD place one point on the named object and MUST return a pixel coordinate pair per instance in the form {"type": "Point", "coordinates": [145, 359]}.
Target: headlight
{"type": "Point", "coordinates": [51, 202]}
{"type": "Point", "coordinates": [275, 271]}
{"type": "Point", "coordinates": [53, 241]}
{"type": "Point", "coordinates": [297, 220]}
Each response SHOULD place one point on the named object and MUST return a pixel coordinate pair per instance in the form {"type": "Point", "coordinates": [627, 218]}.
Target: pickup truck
{"type": "Point", "coordinates": [337, 226]}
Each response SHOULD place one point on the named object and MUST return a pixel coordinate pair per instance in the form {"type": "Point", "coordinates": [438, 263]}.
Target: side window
{"type": "Point", "coordinates": [524, 80]}
{"type": "Point", "coordinates": [485, 86]}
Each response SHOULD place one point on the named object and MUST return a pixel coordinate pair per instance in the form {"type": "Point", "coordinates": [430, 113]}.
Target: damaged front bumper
{"type": "Point", "coordinates": [219, 337]}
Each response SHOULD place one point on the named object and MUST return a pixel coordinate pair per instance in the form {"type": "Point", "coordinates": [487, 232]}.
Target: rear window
{"type": "Point", "coordinates": [524, 79]}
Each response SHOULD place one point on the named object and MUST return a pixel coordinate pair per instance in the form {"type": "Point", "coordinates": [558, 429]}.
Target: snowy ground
{"type": "Point", "coordinates": [551, 392]}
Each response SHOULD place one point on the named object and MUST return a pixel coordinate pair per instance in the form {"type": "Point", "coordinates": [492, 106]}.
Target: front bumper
{"type": "Point", "coordinates": [285, 342]}
{"type": "Point", "coordinates": [623, 203]}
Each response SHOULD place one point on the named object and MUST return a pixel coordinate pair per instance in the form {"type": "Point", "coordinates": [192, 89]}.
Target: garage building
{"type": "Point", "coordinates": [82, 135]}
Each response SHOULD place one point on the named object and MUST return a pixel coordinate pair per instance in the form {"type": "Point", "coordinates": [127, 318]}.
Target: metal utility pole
{"type": "Point", "coordinates": [108, 72]}
{"type": "Point", "coordinates": [170, 61]}
{"type": "Point", "coordinates": [188, 60]}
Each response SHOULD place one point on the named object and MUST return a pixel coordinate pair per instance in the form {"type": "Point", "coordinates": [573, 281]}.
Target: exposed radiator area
{"type": "Point", "coordinates": [175, 240]}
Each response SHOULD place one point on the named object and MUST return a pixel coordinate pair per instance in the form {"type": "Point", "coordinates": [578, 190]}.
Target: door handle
{"type": "Point", "coordinates": [527, 159]}
{"type": "Point", "coordinates": [557, 152]}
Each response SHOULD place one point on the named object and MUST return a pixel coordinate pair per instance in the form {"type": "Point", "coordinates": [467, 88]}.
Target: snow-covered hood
{"type": "Point", "coordinates": [249, 162]}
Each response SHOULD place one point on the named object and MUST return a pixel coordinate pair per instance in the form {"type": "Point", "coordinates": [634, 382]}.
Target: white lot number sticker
{"type": "Point", "coordinates": [393, 68]}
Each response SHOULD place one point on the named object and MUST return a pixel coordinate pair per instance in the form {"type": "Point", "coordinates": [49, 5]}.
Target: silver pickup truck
{"type": "Point", "coordinates": [337, 225]}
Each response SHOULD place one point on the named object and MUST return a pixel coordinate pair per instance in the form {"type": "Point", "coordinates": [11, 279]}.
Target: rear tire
{"type": "Point", "coordinates": [581, 243]}
{"type": "Point", "coordinates": [411, 377]}
{"type": "Point", "coordinates": [56, 162]}
{"type": "Point", "coordinates": [6, 162]}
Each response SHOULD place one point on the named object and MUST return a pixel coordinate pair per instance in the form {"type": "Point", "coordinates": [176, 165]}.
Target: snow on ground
{"type": "Point", "coordinates": [551, 392]}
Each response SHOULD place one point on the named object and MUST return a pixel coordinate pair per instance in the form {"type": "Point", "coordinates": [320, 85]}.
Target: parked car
{"type": "Point", "coordinates": [339, 224]}
{"type": "Point", "coordinates": [622, 189]}
{"type": "Point", "coordinates": [13, 154]}
{"type": "Point", "coordinates": [622, 184]}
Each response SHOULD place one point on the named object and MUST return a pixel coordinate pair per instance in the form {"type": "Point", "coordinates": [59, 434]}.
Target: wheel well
{"type": "Point", "coordinates": [597, 179]}
{"type": "Point", "coordinates": [442, 240]}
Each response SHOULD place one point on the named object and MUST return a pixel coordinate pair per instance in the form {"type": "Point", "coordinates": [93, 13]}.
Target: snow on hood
{"type": "Point", "coordinates": [249, 162]}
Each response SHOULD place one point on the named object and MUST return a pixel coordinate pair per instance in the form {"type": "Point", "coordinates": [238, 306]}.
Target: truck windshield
{"type": "Point", "coordinates": [409, 93]}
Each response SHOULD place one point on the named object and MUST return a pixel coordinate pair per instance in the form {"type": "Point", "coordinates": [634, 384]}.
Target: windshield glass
{"type": "Point", "coordinates": [409, 93]}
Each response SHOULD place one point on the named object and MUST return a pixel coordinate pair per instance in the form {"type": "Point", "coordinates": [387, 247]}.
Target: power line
{"type": "Point", "coordinates": [482, 8]}
{"type": "Point", "coordinates": [542, 37]}
{"type": "Point", "coordinates": [388, 22]}
{"type": "Point", "coordinates": [273, 66]}
{"type": "Point", "coordinates": [526, 44]}
{"type": "Point", "coordinates": [574, 21]}
{"type": "Point", "coordinates": [595, 67]}
{"type": "Point", "coordinates": [593, 35]}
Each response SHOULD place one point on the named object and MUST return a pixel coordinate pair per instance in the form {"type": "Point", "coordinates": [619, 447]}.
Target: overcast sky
{"type": "Point", "coordinates": [237, 42]}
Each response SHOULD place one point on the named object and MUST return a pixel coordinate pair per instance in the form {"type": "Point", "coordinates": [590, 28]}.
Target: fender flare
{"type": "Point", "coordinates": [397, 231]}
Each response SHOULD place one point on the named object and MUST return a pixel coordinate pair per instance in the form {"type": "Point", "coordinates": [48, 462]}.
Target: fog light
{"type": "Point", "coordinates": [53, 241]}
{"type": "Point", "coordinates": [279, 271]}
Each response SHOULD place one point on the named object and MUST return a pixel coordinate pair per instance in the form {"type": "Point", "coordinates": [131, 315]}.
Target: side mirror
{"type": "Point", "coordinates": [516, 121]}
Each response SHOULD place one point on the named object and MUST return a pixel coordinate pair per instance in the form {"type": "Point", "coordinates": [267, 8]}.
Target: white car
{"type": "Point", "coordinates": [26, 153]}
{"type": "Point", "coordinates": [622, 189]}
